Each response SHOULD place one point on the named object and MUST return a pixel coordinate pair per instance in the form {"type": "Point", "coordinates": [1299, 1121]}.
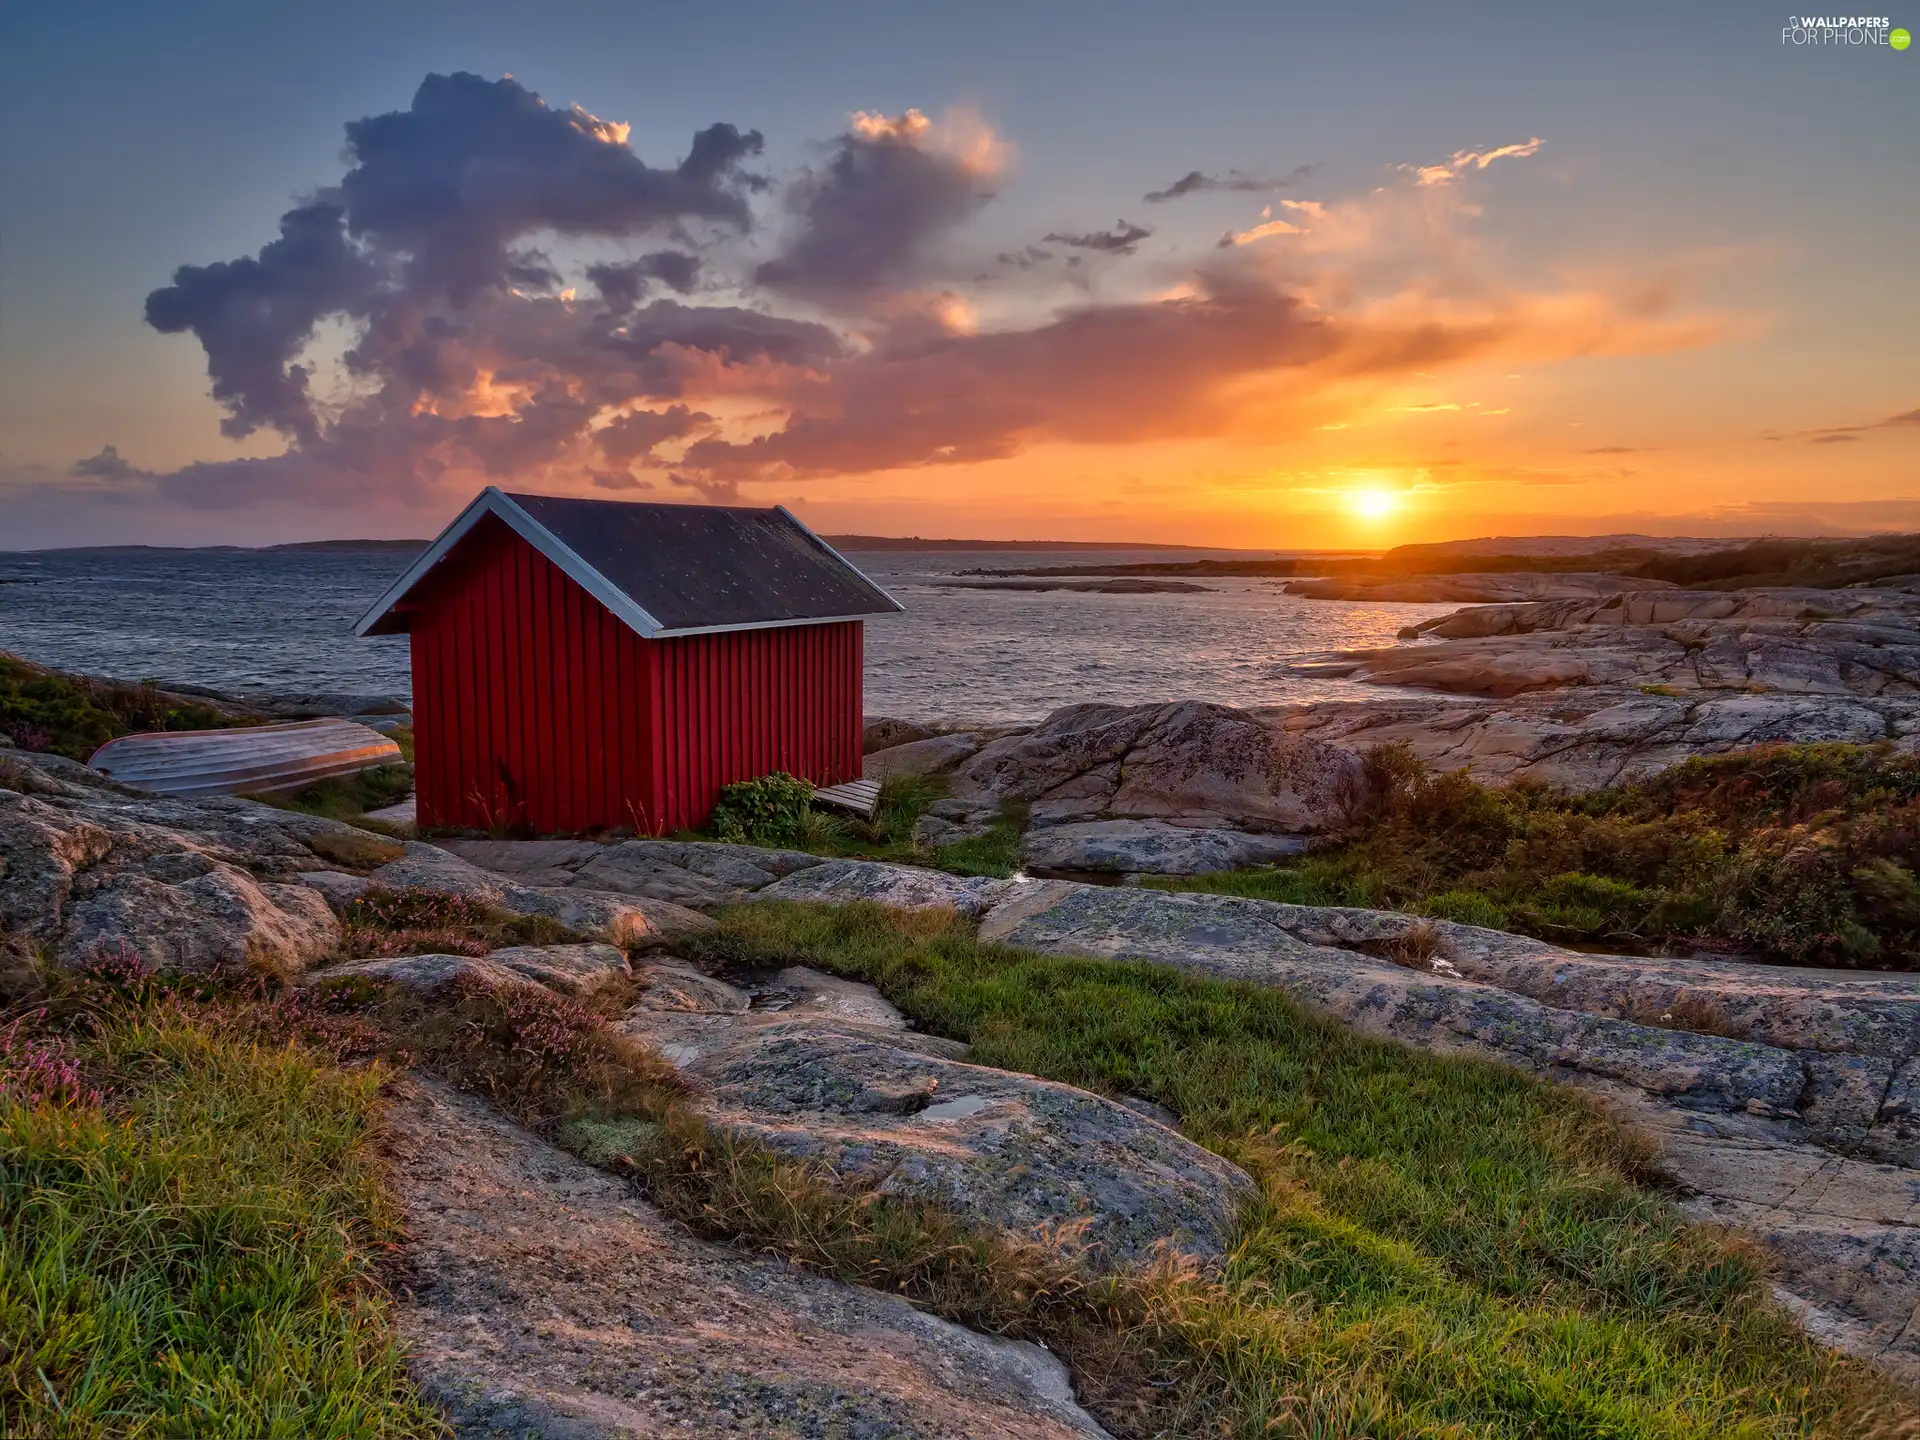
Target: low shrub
{"type": "Point", "coordinates": [1804, 854]}
{"type": "Point", "coordinates": [42, 709]}
{"type": "Point", "coordinates": [770, 810]}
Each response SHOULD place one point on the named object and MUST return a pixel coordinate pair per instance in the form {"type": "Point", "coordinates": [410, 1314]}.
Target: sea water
{"type": "Point", "coordinates": [282, 621]}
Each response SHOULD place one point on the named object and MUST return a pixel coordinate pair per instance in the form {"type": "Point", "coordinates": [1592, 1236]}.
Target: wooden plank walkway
{"type": "Point", "coordinates": [862, 797]}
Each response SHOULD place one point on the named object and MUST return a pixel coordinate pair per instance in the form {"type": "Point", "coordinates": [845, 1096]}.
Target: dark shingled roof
{"type": "Point", "coordinates": [687, 567]}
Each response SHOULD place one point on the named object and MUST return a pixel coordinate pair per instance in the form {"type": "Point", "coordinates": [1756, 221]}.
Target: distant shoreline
{"type": "Point", "coordinates": [872, 543]}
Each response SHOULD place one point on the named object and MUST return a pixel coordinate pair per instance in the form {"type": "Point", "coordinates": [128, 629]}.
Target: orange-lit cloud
{"type": "Point", "coordinates": [804, 338]}
{"type": "Point", "coordinates": [1462, 161]}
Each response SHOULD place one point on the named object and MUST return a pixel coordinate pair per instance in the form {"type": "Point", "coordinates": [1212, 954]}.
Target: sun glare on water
{"type": "Point", "coordinates": [1373, 504]}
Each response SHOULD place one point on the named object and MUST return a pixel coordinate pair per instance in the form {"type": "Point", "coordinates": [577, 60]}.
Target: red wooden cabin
{"type": "Point", "coordinates": [589, 664]}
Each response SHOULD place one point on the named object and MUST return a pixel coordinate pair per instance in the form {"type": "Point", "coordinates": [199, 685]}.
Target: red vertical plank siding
{"type": "Point", "coordinates": [538, 710]}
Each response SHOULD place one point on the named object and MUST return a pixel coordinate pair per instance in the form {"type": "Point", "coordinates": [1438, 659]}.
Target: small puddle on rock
{"type": "Point", "coordinates": [957, 1108]}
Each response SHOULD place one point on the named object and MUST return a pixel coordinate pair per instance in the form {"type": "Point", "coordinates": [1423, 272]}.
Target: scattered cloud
{"type": "Point", "coordinates": [1198, 182]}
{"type": "Point", "coordinates": [622, 284]}
{"type": "Point", "coordinates": [1462, 161]}
{"type": "Point", "coordinates": [1839, 434]}
{"type": "Point", "coordinates": [1123, 239]}
{"type": "Point", "coordinates": [1262, 231]}
{"type": "Point", "coordinates": [108, 466]}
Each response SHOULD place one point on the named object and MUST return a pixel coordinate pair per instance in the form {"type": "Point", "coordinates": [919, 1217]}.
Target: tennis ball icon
{"type": "Point", "coordinates": [1899, 39]}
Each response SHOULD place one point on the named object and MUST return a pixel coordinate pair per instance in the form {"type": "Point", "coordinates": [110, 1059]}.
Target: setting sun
{"type": "Point", "coordinates": [1373, 504]}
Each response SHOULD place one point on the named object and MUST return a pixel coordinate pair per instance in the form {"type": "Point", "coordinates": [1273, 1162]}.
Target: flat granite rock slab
{"type": "Point", "coordinates": [837, 1077]}
{"type": "Point", "coordinates": [548, 1301]}
{"type": "Point", "coordinates": [688, 873]}
{"type": "Point", "coordinates": [1230, 938]}
{"type": "Point", "coordinates": [1843, 1234]}
{"type": "Point", "coordinates": [904, 887]}
{"type": "Point", "coordinates": [1151, 847]}
{"type": "Point", "coordinates": [625, 920]}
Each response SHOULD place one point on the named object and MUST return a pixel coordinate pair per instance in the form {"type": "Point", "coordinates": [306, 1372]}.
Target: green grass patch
{"type": "Point", "coordinates": [1441, 1247]}
{"type": "Point", "coordinates": [193, 1255]}
{"type": "Point", "coordinates": [350, 797]}
{"type": "Point", "coordinates": [995, 854]}
{"type": "Point", "coordinates": [1804, 854]}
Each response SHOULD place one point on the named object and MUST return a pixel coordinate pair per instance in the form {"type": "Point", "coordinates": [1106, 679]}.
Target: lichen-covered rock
{"type": "Point", "coordinates": [1237, 939]}
{"type": "Point", "coordinates": [627, 921]}
{"type": "Point", "coordinates": [904, 887]}
{"type": "Point", "coordinates": [336, 887]}
{"type": "Point", "coordinates": [548, 1301]}
{"type": "Point", "coordinates": [578, 970]}
{"type": "Point", "coordinates": [575, 970]}
{"type": "Point", "coordinates": [1150, 846]}
{"type": "Point", "coordinates": [838, 1078]}
{"type": "Point", "coordinates": [86, 867]}
{"type": "Point", "coordinates": [1205, 764]}
{"type": "Point", "coordinates": [425, 974]}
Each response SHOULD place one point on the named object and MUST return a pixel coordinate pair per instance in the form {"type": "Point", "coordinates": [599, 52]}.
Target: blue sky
{"type": "Point", "coordinates": [1769, 187]}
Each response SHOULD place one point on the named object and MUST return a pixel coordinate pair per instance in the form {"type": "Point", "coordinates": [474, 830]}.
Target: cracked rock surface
{"type": "Point", "coordinates": [835, 1075]}
{"type": "Point", "coordinates": [548, 1301]}
{"type": "Point", "coordinates": [1862, 642]}
{"type": "Point", "coordinates": [88, 865]}
{"type": "Point", "coordinates": [1589, 738]}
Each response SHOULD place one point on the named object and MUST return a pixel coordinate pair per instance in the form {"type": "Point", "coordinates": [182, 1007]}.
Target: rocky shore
{"type": "Point", "coordinates": [1862, 642]}
{"type": "Point", "coordinates": [1468, 588]}
{"type": "Point", "coordinates": [1782, 1102]}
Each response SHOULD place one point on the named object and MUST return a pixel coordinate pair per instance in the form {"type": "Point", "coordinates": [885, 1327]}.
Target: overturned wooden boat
{"type": "Point", "coordinates": [249, 760]}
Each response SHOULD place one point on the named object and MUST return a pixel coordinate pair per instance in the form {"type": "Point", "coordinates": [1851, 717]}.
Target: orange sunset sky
{"type": "Point", "coordinates": [1249, 276]}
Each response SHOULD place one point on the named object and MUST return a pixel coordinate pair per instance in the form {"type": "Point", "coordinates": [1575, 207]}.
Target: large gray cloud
{"type": "Point", "coordinates": [863, 221]}
{"type": "Point", "coordinates": [429, 224]}
{"type": "Point", "coordinates": [679, 361]}
{"type": "Point", "coordinates": [254, 315]}
{"type": "Point", "coordinates": [474, 165]}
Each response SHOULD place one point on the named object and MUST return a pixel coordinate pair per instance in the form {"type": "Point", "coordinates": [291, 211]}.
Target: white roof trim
{"type": "Point", "coordinates": [492, 501]}
{"type": "Point", "coordinates": [767, 624]}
